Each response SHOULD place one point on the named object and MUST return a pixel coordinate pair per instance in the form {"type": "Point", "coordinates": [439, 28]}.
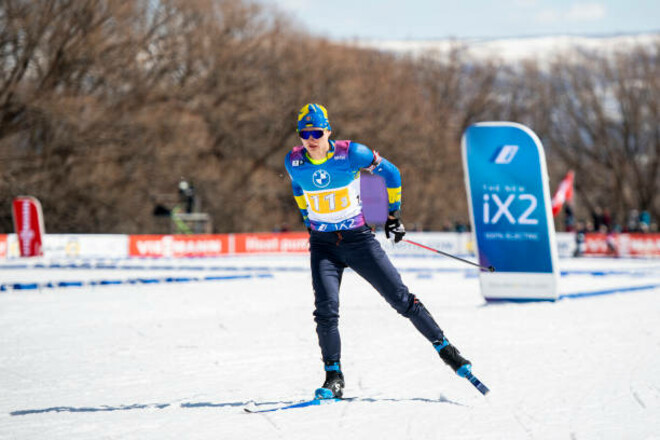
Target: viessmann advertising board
{"type": "Point", "coordinates": [509, 200]}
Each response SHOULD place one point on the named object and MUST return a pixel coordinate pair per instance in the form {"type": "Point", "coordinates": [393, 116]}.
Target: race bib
{"type": "Point", "coordinates": [328, 202]}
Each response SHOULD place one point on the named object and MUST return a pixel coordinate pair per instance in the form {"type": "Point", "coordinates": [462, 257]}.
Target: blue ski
{"type": "Point", "coordinates": [483, 389]}
{"type": "Point", "coordinates": [302, 404]}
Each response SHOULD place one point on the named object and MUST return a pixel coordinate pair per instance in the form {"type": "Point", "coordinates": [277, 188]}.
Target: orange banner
{"type": "Point", "coordinates": [177, 246]}
{"type": "Point", "coordinates": [289, 242]}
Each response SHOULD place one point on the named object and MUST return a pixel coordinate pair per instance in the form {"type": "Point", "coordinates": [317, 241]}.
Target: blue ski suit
{"type": "Point", "coordinates": [328, 196]}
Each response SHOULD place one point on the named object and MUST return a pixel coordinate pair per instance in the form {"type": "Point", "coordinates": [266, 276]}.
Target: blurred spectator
{"type": "Point", "coordinates": [569, 218]}
{"type": "Point", "coordinates": [645, 219]}
{"type": "Point", "coordinates": [597, 218]}
{"type": "Point", "coordinates": [187, 195]}
{"type": "Point", "coordinates": [610, 240]}
{"type": "Point", "coordinates": [607, 219]}
{"type": "Point", "coordinates": [633, 221]}
{"type": "Point", "coordinates": [460, 226]}
{"type": "Point", "coordinates": [580, 231]}
{"type": "Point", "coordinates": [589, 226]}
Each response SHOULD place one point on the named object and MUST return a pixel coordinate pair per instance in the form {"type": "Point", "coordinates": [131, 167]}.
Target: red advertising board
{"type": "Point", "coordinates": [29, 226]}
{"type": "Point", "coordinates": [177, 246]}
{"type": "Point", "coordinates": [634, 245]}
{"type": "Point", "coordinates": [289, 242]}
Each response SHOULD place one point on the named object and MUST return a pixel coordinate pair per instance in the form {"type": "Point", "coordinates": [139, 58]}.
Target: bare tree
{"type": "Point", "coordinates": [603, 124]}
{"type": "Point", "coordinates": [106, 104]}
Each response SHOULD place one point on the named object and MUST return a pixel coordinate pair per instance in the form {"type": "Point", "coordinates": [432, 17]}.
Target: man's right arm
{"type": "Point", "coordinates": [298, 194]}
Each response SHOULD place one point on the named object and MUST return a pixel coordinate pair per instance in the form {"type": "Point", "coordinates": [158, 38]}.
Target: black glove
{"type": "Point", "coordinates": [394, 226]}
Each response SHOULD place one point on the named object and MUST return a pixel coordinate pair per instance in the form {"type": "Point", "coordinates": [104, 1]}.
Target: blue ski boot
{"type": "Point", "coordinates": [452, 357]}
{"type": "Point", "coordinates": [333, 387]}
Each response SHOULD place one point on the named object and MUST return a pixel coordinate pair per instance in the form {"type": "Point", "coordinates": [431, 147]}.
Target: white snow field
{"type": "Point", "coordinates": [182, 360]}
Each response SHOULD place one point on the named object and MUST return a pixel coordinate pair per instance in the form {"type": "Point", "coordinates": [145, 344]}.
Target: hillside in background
{"type": "Point", "coordinates": [515, 50]}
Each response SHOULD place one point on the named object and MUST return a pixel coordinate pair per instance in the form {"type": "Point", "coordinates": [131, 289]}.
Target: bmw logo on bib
{"type": "Point", "coordinates": [321, 178]}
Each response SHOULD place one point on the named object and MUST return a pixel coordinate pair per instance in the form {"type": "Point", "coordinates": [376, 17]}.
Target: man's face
{"type": "Point", "coordinates": [315, 139]}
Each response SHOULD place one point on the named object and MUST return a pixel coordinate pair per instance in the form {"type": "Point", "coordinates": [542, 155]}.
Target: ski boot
{"type": "Point", "coordinates": [333, 387]}
{"type": "Point", "coordinates": [452, 357]}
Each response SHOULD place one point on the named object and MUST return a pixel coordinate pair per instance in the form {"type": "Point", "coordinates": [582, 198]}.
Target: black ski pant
{"type": "Point", "coordinates": [331, 253]}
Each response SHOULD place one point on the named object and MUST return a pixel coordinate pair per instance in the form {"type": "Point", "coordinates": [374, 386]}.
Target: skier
{"type": "Point", "coordinates": [325, 176]}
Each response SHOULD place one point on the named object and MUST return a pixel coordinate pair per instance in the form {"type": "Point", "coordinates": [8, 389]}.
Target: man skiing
{"type": "Point", "coordinates": [325, 176]}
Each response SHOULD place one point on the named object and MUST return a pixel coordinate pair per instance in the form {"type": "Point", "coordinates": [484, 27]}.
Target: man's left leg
{"type": "Point", "coordinates": [371, 262]}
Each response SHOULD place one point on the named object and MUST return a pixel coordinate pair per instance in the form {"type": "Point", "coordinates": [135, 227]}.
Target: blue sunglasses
{"type": "Point", "coordinates": [316, 134]}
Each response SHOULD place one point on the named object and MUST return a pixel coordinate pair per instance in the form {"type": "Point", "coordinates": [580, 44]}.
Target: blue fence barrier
{"type": "Point", "coordinates": [5, 287]}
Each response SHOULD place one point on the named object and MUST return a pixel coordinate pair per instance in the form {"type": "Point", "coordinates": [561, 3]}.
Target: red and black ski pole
{"type": "Point", "coordinates": [489, 268]}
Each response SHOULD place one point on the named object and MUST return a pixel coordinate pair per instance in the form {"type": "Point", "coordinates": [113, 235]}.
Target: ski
{"type": "Point", "coordinates": [253, 408]}
{"type": "Point", "coordinates": [483, 389]}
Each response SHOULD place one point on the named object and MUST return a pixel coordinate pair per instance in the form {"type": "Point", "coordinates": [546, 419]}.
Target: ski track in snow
{"type": "Point", "coordinates": [174, 361]}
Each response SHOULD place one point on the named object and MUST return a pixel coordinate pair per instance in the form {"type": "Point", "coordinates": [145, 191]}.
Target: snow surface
{"type": "Point", "coordinates": [175, 361]}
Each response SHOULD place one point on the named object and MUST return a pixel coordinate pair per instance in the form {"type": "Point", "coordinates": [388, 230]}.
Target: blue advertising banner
{"type": "Point", "coordinates": [509, 200]}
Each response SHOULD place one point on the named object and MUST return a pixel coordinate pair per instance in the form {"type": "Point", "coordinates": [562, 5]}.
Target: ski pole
{"type": "Point", "coordinates": [489, 268]}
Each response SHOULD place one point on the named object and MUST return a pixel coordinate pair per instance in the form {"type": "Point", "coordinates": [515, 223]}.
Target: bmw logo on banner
{"type": "Point", "coordinates": [509, 200]}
